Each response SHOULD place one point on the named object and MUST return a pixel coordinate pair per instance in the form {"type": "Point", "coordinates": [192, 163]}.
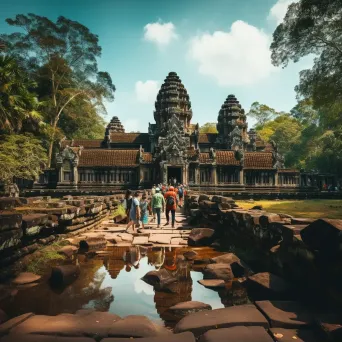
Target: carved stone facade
{"type": "Point", "coordinates": [174, 150]}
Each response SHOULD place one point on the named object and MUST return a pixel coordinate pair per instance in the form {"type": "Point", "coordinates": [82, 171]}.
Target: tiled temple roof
{"type": "Point", "coordinates": [147, 156]}
{"type": "Point", "coordinates": [204, 158]}
{"type": "Point", "coordinates": [86, 143]}
{"type": "Point", "coordinates": [133, 138]}
{"type": "Point", "coordinates": [207, 138]}
{"type": "Point", "coordinates": [226, 158]}
{"type": "Point", "coordinates": [104, 158]}
{"type": "Point", "coordinates": [258, 160]}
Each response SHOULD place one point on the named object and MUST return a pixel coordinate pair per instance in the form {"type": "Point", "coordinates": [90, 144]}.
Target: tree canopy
{"type": "Point", "coordinates": [209, 127]}
{"type": "Point", "coordinates": [62, 58]}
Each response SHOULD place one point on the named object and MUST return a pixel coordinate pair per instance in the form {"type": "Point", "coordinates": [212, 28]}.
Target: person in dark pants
{"type": "Point", "coordinates": [171, 205]}
{"type": "Point", "coordinates": [158, 205]}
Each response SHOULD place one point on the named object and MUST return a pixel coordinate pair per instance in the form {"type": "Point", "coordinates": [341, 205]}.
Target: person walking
{"type": "Point", "coordinates": [180, 195]}
{"type": "Point", "coordinates": [144, 210]}
{"type": "Point", "coordinates": [171, 205]}
{"type": "Point", "coordinates": [158, 205]}
{"type": "Point", "coordinates": [153, 191]}
{"type": "Point", "coordinates": [127, 204]}
{"type": "Point", "coordinates": [134, 213]}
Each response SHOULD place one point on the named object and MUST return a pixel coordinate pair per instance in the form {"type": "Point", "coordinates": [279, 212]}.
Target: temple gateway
{"type": "Point", "coordinates": [234, 159]}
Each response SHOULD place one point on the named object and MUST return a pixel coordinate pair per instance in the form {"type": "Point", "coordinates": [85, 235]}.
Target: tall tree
{"type": "Point", "coordinates": [209, 127]}
{"type": "Point", "coordinates": [21, 156]}
{"type": "Point", "coordinates": [17, 101]}
{"type": "Point", "coordinates": [262, 113]}
{"type": "Point", "coordinates": [63, 55]}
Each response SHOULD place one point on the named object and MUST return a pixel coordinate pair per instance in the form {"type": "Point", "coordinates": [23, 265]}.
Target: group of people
{"type": "Point", "coordinates": [139, 207]}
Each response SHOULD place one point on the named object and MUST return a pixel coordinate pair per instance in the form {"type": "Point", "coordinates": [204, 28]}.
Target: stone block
{"type": "Point", "coordinates": [64, 275]}
{"type": "Point", "coordinates": [10, 220]}
{"type": "Point", "coordinates": [297, 335]}
{"type": "Point", "coordinates": [33, 220]}
{"type": "Point", "coordinates": [212, 283]}
{"type": "Point", "coordinates": [301, 221]}
{"type": "Point", "coordinates": [330, 325]}
{"type": "Point", "coordinates": [268, 218]}
{"type": "Point", "coordinates": [6, 327]}
{"type": "Point", "coordinates": [237, 334]}
{"type": "Point", "coordinates": [7, 203]}
{"type": "Point", "coordinates": [203, 197]}
{"type": "Point", "coordinates": [10, 238]}
{"type": "Point", "coordinates": [227, 258]}
{"type": "Point", "coordinates": [289, 231]}
{"type": "Point", "coordinates": [242, 315]}
{"type": "Point", "coordinates": [201, 237]}
{"type": "Point", "coordinates": [285, 314]}
{"type": "Point", "coordinates": [26, 278]}
{"type": "Point", "coordinates": [218, 271]}
{"type": "Point", "coordinates": [324, 235]}
{"type": "Point", "coordinates": [268, 285]}
{"type": "Point", "coordinates": [186, 308]}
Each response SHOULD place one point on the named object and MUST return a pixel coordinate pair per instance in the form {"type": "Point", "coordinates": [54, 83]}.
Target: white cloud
{"type": "Point", "coordinates": [160, 33]}
{"type": "Point", "coordinates": [238, 57]}
{"type": "Point", "coordinates": [146, 92]}
{"type": "Point", "coordinates": [278, 11]}
{"type": "Point", "coordinates": [132, 125]}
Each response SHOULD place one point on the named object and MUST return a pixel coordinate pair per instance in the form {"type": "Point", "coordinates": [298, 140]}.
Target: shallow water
{"type": "Point", "coordinates": [112, 282]}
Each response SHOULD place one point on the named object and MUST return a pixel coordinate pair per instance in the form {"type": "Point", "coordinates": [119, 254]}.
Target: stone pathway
{"type": "Point", "coordinates": [150, 235]}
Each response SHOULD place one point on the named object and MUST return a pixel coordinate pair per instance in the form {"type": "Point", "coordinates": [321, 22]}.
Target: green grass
{"type": "Point", "coordinates": [45, 258]}
{"type": "Point", "coordinates": [301, 208]}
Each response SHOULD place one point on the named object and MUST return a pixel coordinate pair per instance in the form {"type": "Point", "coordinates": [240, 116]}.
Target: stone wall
{"type": "Point", "coordinates": [28, 223]}
{"type": "Point", "coordinates": [307, 252]}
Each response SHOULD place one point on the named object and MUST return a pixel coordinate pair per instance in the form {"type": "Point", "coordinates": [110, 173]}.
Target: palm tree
{"type": "Point", "coordinates": [17, 101]}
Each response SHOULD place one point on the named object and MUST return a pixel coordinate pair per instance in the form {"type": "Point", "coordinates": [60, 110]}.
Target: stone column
{"type": "Point", "coordinates": [276, 180]}
{"type": "Point", "coordinates": [75, 175]}
{"type": "Point", "coordinates": [241, 175]}
{"type": "Point", "coordinates": [197, 175]}
{"type": "Point", "coordinates": [214, 175]}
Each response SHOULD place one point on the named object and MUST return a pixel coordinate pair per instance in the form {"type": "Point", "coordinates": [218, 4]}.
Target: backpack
{"type": "Point", "coordinates": [170, 201]}
{"type": "Point", "coordinates": [129, 203]}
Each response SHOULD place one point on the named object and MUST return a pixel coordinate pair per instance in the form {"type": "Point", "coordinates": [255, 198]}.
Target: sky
{"type": "Point", "coordinates": [217, 47]}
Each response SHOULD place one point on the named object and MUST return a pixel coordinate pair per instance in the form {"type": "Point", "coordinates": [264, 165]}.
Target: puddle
{"type": "Point", "coordinates": [112, 282]}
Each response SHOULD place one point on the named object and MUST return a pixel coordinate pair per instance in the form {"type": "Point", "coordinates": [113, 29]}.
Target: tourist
{"type": "Point", "coordinates": [144, 210]}
{"type": "Point", "coordinates": [158, 205]}
{"type": "Point", "coordinates": [132, 258]}
{"type": "Point", "coordinates": [171, 205]}
{"type": "Point", "coordinates": [174, 181]}
{"type": "Point", "coordinates": [127, 203]}
{"type": "Point", "coordinates": [153, 191]}
{"type": "Point", "coordinates": [180, 195]}
{"type": "Point", "coordinates": [134, 213]}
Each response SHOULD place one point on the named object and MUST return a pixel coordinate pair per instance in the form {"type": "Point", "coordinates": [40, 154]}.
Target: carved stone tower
{"type": "Point", "coordinates": [232, 125]}
{"type": "Point", "coordinates": [115, 126]}
{"type": "Point", "coordinates": [172, 99]}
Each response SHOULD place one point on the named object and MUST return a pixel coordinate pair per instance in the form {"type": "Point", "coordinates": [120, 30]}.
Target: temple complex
{"type": "Point", "coordinates": [233, 159]}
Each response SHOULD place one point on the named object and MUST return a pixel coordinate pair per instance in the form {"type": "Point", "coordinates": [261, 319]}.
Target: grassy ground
{"type": "Point", "coordinates": [305, 208]}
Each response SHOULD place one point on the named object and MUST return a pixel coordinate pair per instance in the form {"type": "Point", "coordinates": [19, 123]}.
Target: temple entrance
{"type": "Point", "coordinates": [172, 173]}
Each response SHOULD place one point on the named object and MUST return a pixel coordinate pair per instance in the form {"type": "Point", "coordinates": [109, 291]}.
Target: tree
{"type": "Point", "coordinates": [313, 27]}
{"type": "Point", "coordinates": [17, 102]}
{"type": "Point", "coordinates": [21, 156]}
{"type": "Point", "coordinates": [209, 127]}
{"type": "Point", "coordinates": [63, 55]}
{"type": "Point", "coordinates": [262, 113]}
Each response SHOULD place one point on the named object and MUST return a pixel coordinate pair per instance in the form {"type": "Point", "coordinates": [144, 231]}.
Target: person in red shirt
{"type": "Point", "coordinates": [171, 205]}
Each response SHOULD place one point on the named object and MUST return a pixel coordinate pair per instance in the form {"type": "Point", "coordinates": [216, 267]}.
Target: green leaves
{"type": "Point", "coordinates": [209, 127]}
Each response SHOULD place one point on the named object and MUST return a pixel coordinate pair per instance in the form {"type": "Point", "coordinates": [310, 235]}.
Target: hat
{"type": "Point", "coordinates": [157, 189]}
{"type": "Point", "coordinates": [171, 188]}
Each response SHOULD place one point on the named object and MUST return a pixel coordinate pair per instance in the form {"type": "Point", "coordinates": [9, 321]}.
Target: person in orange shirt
{"type": "Point", "coordinates": [171, 205]}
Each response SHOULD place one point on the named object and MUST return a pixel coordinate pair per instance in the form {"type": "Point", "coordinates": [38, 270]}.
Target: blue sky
{"type": "Point", "coordinates": [217, 47]}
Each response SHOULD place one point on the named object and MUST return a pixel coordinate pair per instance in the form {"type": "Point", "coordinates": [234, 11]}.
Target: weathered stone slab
{"type": "Point", "coordinates": [212, 283]}
{"type": "Point", "coordinates": [160, 239]}
{"type": "Point", "coordinates": [330, 325]}
{"type": "Point", "coordinates": [9, 221]}
{"type": "Point", "coordinates": [237, 334]}
{"type": "Point", "coordinates": [7, 203]}
{"type": "Point", "coordinates": [186, 308]}
{"type": "Point", "coordinates": [179, 241]}
{"type": "Point", "coordinates": [136, 327]}
{"type": "Point", "coordinates": [159, 279]}
{"type": "Point", "coordinates": [10, 238]}
{"type": "Point", "coordinates": [26, 278]}
{"type": "Point", "coordinates": [201, 237]}
{"type": "Point", "coordinates": [269, 284]}
{"type": "Point", "coordinates": [140, 240]}
{"type": "Point", "coordinates": [227, 258]}
{"type": "Point", "coordinates": [68, 251]}
{"type": "Point", "coordinates": [242, 315]}
{"type": "Point", "coordinates": [324, 235]}
{"type": "Point", "coordinates": [218, 271]}
{"type": "Point", "coordinates": [7, 326]}
{"type": "Point", "coordinates": [268, 218]}
{"type": "Point", "coordinates": [184, 337]}
{"type": "Point", "coordinates": [32, 220]}
{"type": "Point", "coordinates": [285, 314]}
{"type": "Point", "coordinates": [297, 335]}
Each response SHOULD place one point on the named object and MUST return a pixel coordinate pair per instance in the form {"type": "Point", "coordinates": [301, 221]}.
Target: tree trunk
{"type": "Point", "coordinates": [52, 141]}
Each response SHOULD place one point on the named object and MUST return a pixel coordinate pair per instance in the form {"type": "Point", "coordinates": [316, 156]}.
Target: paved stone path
{"type": "Point", "coordinates": [150, 235]}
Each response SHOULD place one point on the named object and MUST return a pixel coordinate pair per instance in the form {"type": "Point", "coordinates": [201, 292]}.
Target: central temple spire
{"type": "Point", "coordinates": [172, 99]}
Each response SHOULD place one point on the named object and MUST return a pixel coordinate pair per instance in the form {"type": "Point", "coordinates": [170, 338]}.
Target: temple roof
{"type": "Point", "coordinates": [258, 160]}
{"type": "Point", "coordinates": [113, 158]}
{"type": "Point", "coordinates": [135, 138]}
{"type": "Point", "coordinates": [226, 158]}
{"type": "Point", "coordinates": [86, 143]}
{"type": "Point", "coordinates": [147, 156]}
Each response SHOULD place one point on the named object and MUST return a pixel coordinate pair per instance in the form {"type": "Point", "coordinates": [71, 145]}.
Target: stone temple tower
{"type": "Point", "coordinates": [172, 100]}
{"type": "Point", "coordinates": [232, 125]}
{"type": "Point", "coordinates": [115, 126]}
